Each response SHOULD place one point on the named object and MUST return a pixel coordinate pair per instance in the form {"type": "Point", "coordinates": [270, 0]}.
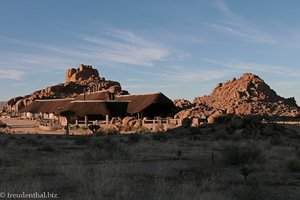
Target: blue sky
{"type": "Point", "coordinates": [181, 48]}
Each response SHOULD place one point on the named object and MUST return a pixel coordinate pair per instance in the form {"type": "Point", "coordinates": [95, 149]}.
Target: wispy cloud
{"type": "Point", "coordinates": [11, 74]}
{"type": "Point", "coordinates": [180, 74]}
{"type": "Point", "coordinates": [236, 25]}
{"type": "Point", "coordinates": [126, 47]}
{"type": "Point", "coordinates": [254, 67]}
{"type": "Point", "coordinates": [146, 86]}
{"type": "Point", "coordinates": [221, 5]}
{"type": "Point", "coordinates": [243, 31]}
{"type": "Point", "coordinates": [109, 46]}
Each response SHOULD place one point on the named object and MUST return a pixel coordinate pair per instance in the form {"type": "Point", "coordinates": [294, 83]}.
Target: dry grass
{"type": "Point", "coordinates": [151, 167]}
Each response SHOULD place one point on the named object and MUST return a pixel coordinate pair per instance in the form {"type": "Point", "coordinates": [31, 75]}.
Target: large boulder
{"type": "Point", "coordinates": [126, 120]}
{"type": "Point", "coordinates": [82, 73]}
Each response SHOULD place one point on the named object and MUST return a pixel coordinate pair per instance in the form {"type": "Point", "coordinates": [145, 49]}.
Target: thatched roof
{"type": "Point", "coordinates": [100, 95]}
{"type": "Point", "coordinates": [138, 103]}
{"type": "Point", "coordinates": [99, 103]}
{"type": "Point", "coordinates": [46, 106]}
{"type": "Point", "coordinates": [96, 107]}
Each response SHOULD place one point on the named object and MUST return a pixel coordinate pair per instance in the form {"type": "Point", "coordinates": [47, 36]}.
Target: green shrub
{"type": "Point", "coordinates": [239, 154]}
{"type": "Point", "coordinates": [293, 164]}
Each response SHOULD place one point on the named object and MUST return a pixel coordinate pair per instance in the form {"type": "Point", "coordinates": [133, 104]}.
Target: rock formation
{"type": "Point", "coordinates": [248, 95]}
{"type": "Point", "coordinates": [82, 73]}
{"type": "Point", "coordinates": [182, 104]}
{"type": "Point", "coordinates": [77, 81]}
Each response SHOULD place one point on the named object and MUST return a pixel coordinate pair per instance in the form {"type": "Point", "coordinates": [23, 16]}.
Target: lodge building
{"type": "Point", "coordinates": [102, 105]}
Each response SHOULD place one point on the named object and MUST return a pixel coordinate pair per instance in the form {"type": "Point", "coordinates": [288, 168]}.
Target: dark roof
{"type": "Point", "coordinates": [101, 95]}
{"type": "Point", "coordinates": [46, 106]}
{"type": "Point", "coordinates": [140, 102]}
{"type": "Point", "coordinates": [100, 107]}
{"type": "Point", "coordinates": [98, 103]}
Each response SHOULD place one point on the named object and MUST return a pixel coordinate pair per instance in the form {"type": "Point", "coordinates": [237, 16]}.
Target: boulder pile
{"type": "Point", "coordinates": [182, 103]}
{"type": "Point", "coordinates": [248, 95]}
{"type": "Point", "coordinates": [77, 81]}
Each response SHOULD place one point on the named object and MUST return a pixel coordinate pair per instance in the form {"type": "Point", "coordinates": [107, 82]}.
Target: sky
{"type": "Point", "coordinates": [180, 48]}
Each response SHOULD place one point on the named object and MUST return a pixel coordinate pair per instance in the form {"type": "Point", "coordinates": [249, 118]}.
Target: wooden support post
{"type": "Point", "coordinates": [106, 119]}
{"type": "Point", "coordinates": [86, 120]}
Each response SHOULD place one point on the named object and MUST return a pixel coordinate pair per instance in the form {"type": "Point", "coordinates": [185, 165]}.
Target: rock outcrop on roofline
{"type": "Point", "coordinates": [77, 81]}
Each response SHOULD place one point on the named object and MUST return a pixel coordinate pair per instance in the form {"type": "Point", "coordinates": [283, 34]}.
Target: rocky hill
{"type": "Point", "coordinates": [248, 95]}
{"type": "Point", "coordinates": [77, 81]}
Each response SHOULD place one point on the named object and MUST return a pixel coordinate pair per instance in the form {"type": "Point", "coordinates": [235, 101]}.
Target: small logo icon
{"type": "Point", "coordinates": [2, 194]}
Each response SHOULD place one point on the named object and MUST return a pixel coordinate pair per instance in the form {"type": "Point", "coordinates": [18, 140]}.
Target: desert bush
{"type": "Point", "coordinates": [186, 122]}
{"type": "Point", "coordinates": [75, 127]}
{"type": "Point", "coordinates": [12, 137]}
{"type": "Point", "coordinates": [59, 136]}
{"type": "Point", "coordinates": [4, 142]}
{"type": "Point", "coordinates": [39, 136]}
{"type": "Point", "coordinates": [159, 136]}
{"type": "Point", "coordinates": [141, 130]}
{"type": "Point", "coordinates": [239, 154]}
{"type": "Point", "coordinates": [84, 128]}
{"type": "Point", "coordinates": [248, 193]}
{"type": "Point", "coordinates": [220, 134]}
{"type": "Point", "coordinates": [2, 124]}
{"type": "Point", "coordinates": [292, 134]}
{"type": "Point", "coordinates": [195, 131]}
{"type": "Point", "coordinates": [276, 140]}
{"type": "Point", "coordinates": [32, 142]}
{"type": "Point", "coordinates": [297, 153]}
{"type": "Point", "coordinates": [46, 147]}
{"type": "Point", "coordinates": [110, 132]}
{"type": "Point", "coordinates": [293, 164]}
{"type": "Point", "coordinates": [134, 137]}
{"type": "Point", "coordinates": [220, 119]}
{"type": "Point", "coordinates": [81, 140]}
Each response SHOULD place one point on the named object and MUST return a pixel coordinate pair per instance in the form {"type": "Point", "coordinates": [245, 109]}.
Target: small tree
{"type": "Point", "coordinates": [67, 114]}
{"type": "Point", "coordinates": [94, 129]}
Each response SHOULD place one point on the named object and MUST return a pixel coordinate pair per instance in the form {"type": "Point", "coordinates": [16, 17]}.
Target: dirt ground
{"type": "Point", "coordinates": [25, 126]}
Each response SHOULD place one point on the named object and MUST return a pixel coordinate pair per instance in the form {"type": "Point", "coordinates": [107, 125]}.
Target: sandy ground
{"type": "Point", "coordinates": [25, 126]}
